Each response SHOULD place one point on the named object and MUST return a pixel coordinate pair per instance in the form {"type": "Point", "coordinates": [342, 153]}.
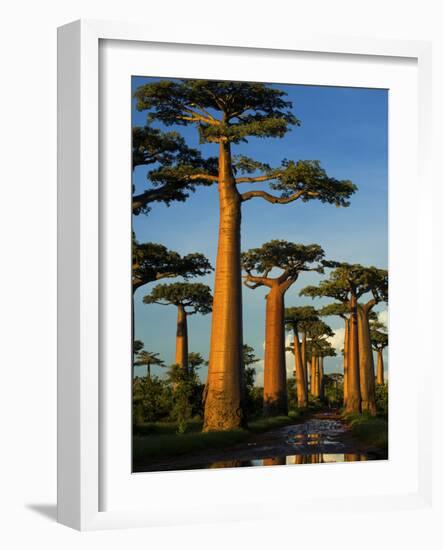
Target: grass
{"type": "Point", "coordinates": [371, 430]}
{"type": "Point", "coordinates": [155, 440]}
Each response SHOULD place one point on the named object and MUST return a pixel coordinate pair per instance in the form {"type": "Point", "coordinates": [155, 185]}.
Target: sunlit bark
{"type": "Point", "coordinates": [380, 368]}
{"type": "Point", "coordinates": [275, 389]}
{"type": "Point", "coordinates": [345, 362]}
{"type": "Point", "coordinates": [181, 347]}
{"type": "Point", "coordinates": [300, 380]}
{"type": "Point", "coordinates": [353, 401]}
{"type": "Point", "coordinates": [223, 404]}
{"type": "Point", "coordinates": [366, 361]}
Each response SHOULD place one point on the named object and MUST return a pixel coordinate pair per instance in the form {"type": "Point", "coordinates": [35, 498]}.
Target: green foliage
{"type": "Point", "coordinates": [292, 393]}
{"type": "Point", "coordinates": [176, 164]}
{"type": "Point", "coordinates": [152, 261]}
{"type": "Point", "coordinates": [137, 346]}
{"type": "Point", "coordinates": [369, 430]}
{"type": "Point", "coordinates": [147, 358]}
{"type": "Point", "coordinates": [351, 279]}
{"type": "Point", "coordinates": [152, 400]}
{"type": "Point", "coordinates": [382, 399]}
{"type": "Point", "coordinates": [300, 318]}
{"type": "Point", "coordinates": [308, 178]}
{"type": "Point", "coordinates": [194, 295]}
{"type": "Point", "coordinates": [333, 390]}
{"type": "Point", "coordinates": [290, 257]}
{"type": "Point", "coordinates": [225, 110]}
{"type": "Point", "coordinates": [379, 335]}
{"type": "Point", "coordinates": [181, 384]}
{"type": "Point", "coordinates": [195, 360]}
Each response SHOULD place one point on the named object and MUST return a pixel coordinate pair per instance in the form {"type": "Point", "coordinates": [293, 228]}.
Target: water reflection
{"type": "Point", "coordinates": [316, 458]}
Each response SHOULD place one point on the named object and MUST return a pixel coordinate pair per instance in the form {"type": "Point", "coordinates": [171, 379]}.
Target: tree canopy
{"type": "Point", "coordinates": [379, 335]}
{"type": "Point", "coordinates": [148, 358]}
{"type": "Point", "coordinates": [300, 318]}
{"type": "Point", "coordinates": [175, 163]}
{"type": "Point", "coordinates": [230, 112]}
{"type": "Point", "coordinates": [151, 262]}
{"type": "Point", "coordinates": [290, 258]}
{"type": "Point", "coordinates": [195, 296]}
{"type": "Point", "coordinates": [350, 279]}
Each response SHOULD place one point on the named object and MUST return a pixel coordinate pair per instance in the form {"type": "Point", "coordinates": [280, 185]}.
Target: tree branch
{"type": "Point", "coordinates": [207, 177]}
{"type": "Point", "coordinates": [265, 177]}
{"type": "Point", "coordinates": [275, 200]}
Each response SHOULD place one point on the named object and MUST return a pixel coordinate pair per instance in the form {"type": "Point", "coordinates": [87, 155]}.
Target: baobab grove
{"type": "Point", "coordinates": [233, 189]}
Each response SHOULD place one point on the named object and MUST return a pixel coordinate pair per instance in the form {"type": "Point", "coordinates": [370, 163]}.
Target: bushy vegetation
{"type": "Point", "coordinates": [381, 399]}
{"type": "Point", "coordinates": [177, 399]}
{"type": "Point", "coordinates": [369, 430]}
{"type": "Point", "coordinates": [333, 390]}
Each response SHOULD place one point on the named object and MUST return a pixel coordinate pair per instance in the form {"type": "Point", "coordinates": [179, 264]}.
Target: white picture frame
{"type": "Point", "coordinates": [80, 411]}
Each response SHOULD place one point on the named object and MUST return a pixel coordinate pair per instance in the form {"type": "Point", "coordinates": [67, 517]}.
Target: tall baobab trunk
{"type": "Point", "coordinates": [314, 376]}
{"type": "Point", "coordinates": [300, 380]}
{"type": "Point", "coordinates": [303, 354]}
{"type": "Point", "coordinates": [345, 362]}
{"type": "Point", "coordinates": [353, 401]}
{"type": "Point", "coordinates": [321, 372]}
{"type": "Point", "coordinates": [380, 368]}
{"type": "Point", "coordinates": [275, 401]}
{"type": "Point", "coordinates": [181, 346]}
{"type": "Point", "coordinates": [366, 361]}
{"type": "Point", "coordinates": [309, 367]}
{"type": "Point", "coordinates": [223, 403]}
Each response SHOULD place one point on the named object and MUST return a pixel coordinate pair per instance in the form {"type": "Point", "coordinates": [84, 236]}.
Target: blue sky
{"type": "Point", "coordinates": [344, 128]}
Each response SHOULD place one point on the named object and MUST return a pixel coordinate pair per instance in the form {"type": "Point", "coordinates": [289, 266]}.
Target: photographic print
{"type": "Point", "coordinates": [259, 274]}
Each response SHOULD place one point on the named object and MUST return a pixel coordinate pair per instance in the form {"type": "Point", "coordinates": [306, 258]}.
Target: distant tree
{"type": "Point", "coordinates": [226, 113]}
{"type": "Point", "coordinates": [189, 298]}
{"type": "Point", "coordinates": [341, 310]}
{"type": "Point", "coordinates": [195, 360]}
{"type": "Point", "coordinates": [296, 320]}
{"type": "Point", "coordinates": [152, 262]}
{"type": "Point", "coordinates": [146, 358]}
{"type": "Point", "coordinates": [137, 346]}
{"type": "Point", "coordinates": [318, 347]}
{"type": "Point", "coordinates": [379, 340]}
{"type": "Point", "coordinates": [347, 283]}
{"type": "Point", "coordinates": [290, 260]}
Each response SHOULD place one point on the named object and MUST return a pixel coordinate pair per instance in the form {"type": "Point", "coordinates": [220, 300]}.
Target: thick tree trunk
{"type": "Point", "coordinates": [305, 364]}
{"type": "Point", "coordinates": [321, 388]}
{"type": "Point", "coordinates": [366, 362]}
{"type": "Point", "coordinates": [309, 367]}
{"type": "Point", "coordinates": [353, 401]}
{"type": "Point", "coordinates": [181, 345]}
{"type": "Point", "coordinates": [345, 362]}
{"type": "Point", "coordinates": [300, 380]}
{"type": "Point", "coordinates": [224, 400]}
{"type": "Point", "coordinates": [275, 401]}
{"type": "Point", "coordinates": [380, 368]}
{"type": "Point", "coordinates": [315, 376]}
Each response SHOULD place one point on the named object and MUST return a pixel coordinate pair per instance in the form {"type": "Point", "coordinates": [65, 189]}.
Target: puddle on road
{"type": "Point", "coordinates": [320, 458]}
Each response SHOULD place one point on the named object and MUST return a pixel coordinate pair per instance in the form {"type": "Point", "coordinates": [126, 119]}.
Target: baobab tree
{"type": "Point", "coordinates": [344, 291]}
{"type": "Point", "coordinates": [296, 320]}
{"type": "Point", "coordinates": [348, 283]}
{"type": "Point", "coordinates": [317, 346]}
{"type": "Point", "coordinates": [342, 311]}
{"type": "Point", "coordinates": [322, 349]}
{"type": "Point", "coordinates": [289, 259]}
{"type": "Point", "coordinates": [379, 340]}
{"type": "Point", "coordinates": [174, 163]}
{"type": "Point", "coordinates": [189, 298]}
{"type": "Point", "coordinates": [152, 262]}
{"type": "Point", "coordinates": [147, 358]}
{"type": "Point", "coordinates": [227, 113]}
